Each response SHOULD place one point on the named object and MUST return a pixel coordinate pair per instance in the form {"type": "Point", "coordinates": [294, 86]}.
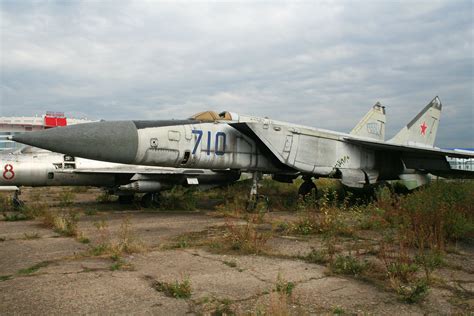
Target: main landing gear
{"type": "Point", "coordinates": [17, 203]}
{"type": "Point", "coordinates": [151, 199]}
{"type": "Point", "coordinates": [307, 188]}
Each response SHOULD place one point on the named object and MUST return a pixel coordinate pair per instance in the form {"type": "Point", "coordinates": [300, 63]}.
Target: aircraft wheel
{"type": "Point", "coordinates": [126, 199]}
{"type": "Point", "coordinates": [151, 200]}
{"type": "Point", "coordinates": [306, 188]}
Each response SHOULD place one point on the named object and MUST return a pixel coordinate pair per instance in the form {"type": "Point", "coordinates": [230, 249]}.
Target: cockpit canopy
{"type": "Point", "coordinates": [211, 116]}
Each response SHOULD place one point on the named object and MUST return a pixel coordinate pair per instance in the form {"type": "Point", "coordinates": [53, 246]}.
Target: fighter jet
{"type": "Point", "coordinates": [260, 145]}
{"type": "Point", "coordinates": [36, 167]}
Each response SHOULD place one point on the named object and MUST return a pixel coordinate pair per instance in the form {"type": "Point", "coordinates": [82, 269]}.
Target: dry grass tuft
{"type": "Point", "coordinates": [245, 238]}
{"type": "Point", "coordinates": [278, 305]}
{"type": "Point", "coordinates": [125, 243]}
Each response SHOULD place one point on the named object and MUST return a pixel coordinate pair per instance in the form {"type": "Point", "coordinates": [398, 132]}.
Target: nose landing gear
{"type": "Point", "coordinates": [254, 196]}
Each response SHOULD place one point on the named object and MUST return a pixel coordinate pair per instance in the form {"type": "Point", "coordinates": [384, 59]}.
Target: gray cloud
{"type": "Point", "coordinates": [321, 63]}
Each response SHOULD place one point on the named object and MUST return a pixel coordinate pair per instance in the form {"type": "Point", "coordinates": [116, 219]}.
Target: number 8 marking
{"type": "Point", "coordinates": [8, 172]}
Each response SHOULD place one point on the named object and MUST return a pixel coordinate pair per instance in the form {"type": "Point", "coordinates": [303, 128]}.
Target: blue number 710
{"type": "Point", "coordinates": [220, 137]}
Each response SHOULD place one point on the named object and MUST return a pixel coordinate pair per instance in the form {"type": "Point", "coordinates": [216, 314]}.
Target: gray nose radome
{"type": "Point", "coordinates": [106, 141]}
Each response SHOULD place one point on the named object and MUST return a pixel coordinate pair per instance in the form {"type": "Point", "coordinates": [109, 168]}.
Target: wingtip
{"type": "Point", "coordinates": [379, 106]}
{"type": "Point", "coordinates": [436, 103]}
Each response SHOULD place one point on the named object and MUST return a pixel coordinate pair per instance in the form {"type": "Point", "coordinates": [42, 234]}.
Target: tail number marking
{"type": "Point", "coordinates": [8, 172]}
{"type": "Point", "coordinates": [219, 142]}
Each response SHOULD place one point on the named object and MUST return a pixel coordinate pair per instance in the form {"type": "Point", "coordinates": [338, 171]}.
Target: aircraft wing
{"type": "Point", "coordinates": [429, 159]}
{"type": "Point", "coordinates": [428, 151]}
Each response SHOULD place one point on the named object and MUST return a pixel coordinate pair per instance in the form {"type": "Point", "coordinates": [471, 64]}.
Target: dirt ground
{"type": "Point", "coordinates": [45, 273]}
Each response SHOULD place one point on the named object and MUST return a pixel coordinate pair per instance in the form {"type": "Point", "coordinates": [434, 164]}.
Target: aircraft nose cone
{"type": "Point", "coordinates": [107, 141]}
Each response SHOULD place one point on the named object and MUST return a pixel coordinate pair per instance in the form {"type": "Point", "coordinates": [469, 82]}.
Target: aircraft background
{"type": "Point", "coordinates": [228, 140]}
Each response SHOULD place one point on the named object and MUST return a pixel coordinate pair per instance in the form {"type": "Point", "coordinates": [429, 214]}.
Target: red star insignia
{"type": "Point", "coordinates": [423, 128]}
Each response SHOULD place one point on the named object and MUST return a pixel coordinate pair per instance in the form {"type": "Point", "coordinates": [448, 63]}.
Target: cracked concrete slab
{"type": "Point", "coordinates": [351, 295]}
{"type": "Point", "coordinates": [21, 254]}
{"type": "Point", "coordinates": [86, 293]}
{"type": "Point", "coordinates": [153, 228]}
{"type": "Point", "coordinates": [208, 276]}
{"type": "Point", "coordinates": [23, 229]}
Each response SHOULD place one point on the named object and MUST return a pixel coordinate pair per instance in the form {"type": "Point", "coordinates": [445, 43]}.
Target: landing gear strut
{"type": "Point", "coordinates": [151, 199]}
{"type": "Point", "coordinates": [254, 197]}
{"type": "Point", "coordinates": [307, 187]}
{"type": "Point", "coordinates": [17, 203]}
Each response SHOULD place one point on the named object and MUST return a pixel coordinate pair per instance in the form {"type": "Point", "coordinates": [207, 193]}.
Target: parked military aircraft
{"type": "Point", "coordinates": [34, 167]}
{"type": "Point", "coordinates": [261, 145]}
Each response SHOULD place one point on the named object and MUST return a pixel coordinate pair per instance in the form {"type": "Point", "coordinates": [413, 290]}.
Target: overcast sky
{"type": "Point", "coordinates": [318, 63]}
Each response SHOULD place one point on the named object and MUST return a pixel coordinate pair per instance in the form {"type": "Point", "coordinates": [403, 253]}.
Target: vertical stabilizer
{"type": "Point", "coordinates": [372, 124]}
{"type": "Point", "coordinates": [421, 131]}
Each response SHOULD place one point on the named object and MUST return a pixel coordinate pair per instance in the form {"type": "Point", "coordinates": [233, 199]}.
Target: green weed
{"type": "Point", "coordinates": [231, 263]}
{"type": "Point", "coordinates": [34, 268]}
{"type": "Point", "coordinates": [224, 307]}
{"type": "Point", "coordinates": [179, 198]}
{"type": "Point", "coordinates": [430, 261]}
{"type": "Point", "coordinates": [90, 212]}
{"type": "Point", "coordinates": [99, 250]}
{"type": "Point", "coordinates": [348, 265]}
{"type": "Point", "coordinates": [6, 204]}
{"type": "Point", "coordinates": [402, 271]}
{"type": "Point", "coordinates": [116, 266]}
{"type": "Point", "coordinates": [316, 256]}
{"type": "Point", "coordinates": [14, 217]}
{"type": "Point", "coordinates": [306, 224]}
{"type": "Point", "coordinates": [284, 287]}
{"type": "Point", "coordinates": [104, 197]}
{"type": "Point", "coordinates": [178, 289]}
{"type": "Point", "coordinates": [31, 236]}
{"type": "Point", "coordinates": [119, 263]}
{"type": "Point", "coordinates": [66, 198]}
{"type": "Point", "coordinates": [338, 311]}
{"type": "Point", "coordinates": [5, 277]}
{"type": "Point", "coordinates": [82, 238]}
{"type": "Point", "coordinates": [413, 293]}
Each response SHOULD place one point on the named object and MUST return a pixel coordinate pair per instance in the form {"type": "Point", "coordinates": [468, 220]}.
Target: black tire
{"type": "Point", "coordinates": [151, 200]}
{"type": "Point", "coordinates": [306, 188]}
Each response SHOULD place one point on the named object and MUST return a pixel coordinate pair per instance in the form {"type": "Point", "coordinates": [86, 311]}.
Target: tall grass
{"type": "Point", "coordinates": [433, 215]}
